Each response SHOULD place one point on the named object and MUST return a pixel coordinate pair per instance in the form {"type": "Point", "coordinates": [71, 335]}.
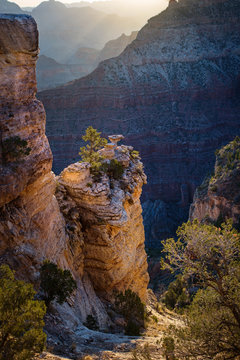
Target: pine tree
{"type": "Point", "coordinates": [89, 153]}
{"type": "Point", "coordinates": [56, 283]}
{"type": "Point", "coordinates": [21, 319]}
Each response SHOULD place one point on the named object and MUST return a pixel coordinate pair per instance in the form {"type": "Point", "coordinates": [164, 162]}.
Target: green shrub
{"type": "Point", "coordinates": [134, 154]}
{"type": "Point", "coordinates": [91, 323]}
{"type": "Point", "coordinates": [132, 328]}
{"type": "Point", "coordinates": [155, 319]}
{"type": "Point", "coordinates": [168, 347]}
{"type": "Point", "coordinates": [89, 153]}
{"type": "Point", "coordinates": [176, 296]}
{"type": "Point", "coordinates": [56, 283]}
{"type": "Point", "coordinates": [210, 256]}
{"type": "Point", "coordinates": [227, 159]}
{"type": "Point", "coordinates": [114, 169]}
{"type": "Point", "coordinates": [21, 319]}
{"type": "Point", "coordinates": [15, 148]}
{"type": "Point", "coordinates": [129, 305]}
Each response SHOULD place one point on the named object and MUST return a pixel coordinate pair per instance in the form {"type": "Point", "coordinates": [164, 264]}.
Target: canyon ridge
{"type": "Point", "coordinates": [173, 93]}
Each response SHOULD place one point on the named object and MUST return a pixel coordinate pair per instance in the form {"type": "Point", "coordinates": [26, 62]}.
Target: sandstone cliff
{"type": "Point", "coordinates": [218, 198]}
{"type": "Point", "coordinates": [33, 226]}
{"type": "Point", "coordinates": [110, 214]}
{"type": "Point", "coordinates": [174, 92]}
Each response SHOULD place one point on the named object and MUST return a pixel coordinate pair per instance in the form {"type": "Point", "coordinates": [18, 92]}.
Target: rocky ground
{"type": "Point", "coordinates": [105, 346]}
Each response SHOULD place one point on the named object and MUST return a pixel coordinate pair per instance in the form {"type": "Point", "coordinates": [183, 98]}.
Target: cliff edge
{"type": "Point", "coordinates": [174, 94]}
{"type": "Point", "coordinates": [96, 233]}
{"type": "Point", "coordinates": [218, 198]}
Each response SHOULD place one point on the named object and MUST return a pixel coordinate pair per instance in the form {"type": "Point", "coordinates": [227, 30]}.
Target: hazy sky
{"type": "Point", "coordinates": [34, 3]}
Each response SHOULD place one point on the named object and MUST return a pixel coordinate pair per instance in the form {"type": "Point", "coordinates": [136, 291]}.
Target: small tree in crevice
{"type": "Point", "coordinates": [56, 284]}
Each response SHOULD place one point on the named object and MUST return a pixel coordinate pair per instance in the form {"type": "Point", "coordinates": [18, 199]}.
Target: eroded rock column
{"type": "Point", "coordinates": [111, 216]}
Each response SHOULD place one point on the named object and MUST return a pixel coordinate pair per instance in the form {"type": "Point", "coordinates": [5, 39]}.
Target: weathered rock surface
{"type": "Point", "coordinates": [32, 225]}
{"type": "Point", "coordinates": [114, 254]}
{"type": "Point", "coordinates": [174, 94]}
{"type": "Point", "coordinates": [218, 198]}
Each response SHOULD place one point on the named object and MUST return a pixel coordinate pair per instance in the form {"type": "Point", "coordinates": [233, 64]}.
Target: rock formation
{"type": "Point", "coordinates": [218, 198]}
{"type": "Point", "coordinates": [174, 94]}
{"type": "Point", "coordinates": [8, 7]}
{"type": "Point", "coordinates": [33, 226]}
{"type": "Point", "coordinates": [114, 255]}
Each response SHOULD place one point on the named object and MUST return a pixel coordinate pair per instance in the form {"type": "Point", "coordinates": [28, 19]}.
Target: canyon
{"type": "Point", "coordinates": [173, 93]}
{"type": "Point", "coordinates": [94, 231]}
{"type": "Point", "coordinates": [50, 73]}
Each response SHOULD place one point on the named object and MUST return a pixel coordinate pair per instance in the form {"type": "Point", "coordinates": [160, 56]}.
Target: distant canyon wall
{"type": "Point", "coordinates": [174, 93]}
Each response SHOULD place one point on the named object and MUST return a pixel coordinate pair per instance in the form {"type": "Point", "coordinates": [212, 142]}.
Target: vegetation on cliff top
{"type": "Point", "coordinates": [21, 318]}
{"type": "Point", "coordinates": [226, 165]}
{"type": "Point", "coordinates": [209, 256]}
{"type": "Point", "coordinates": [89, 153]}
{"type": "Point", "coordinates": [227, 160]}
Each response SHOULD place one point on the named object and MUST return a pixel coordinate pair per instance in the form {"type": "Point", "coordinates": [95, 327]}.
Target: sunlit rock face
{"type": "Point", "coordinates": [32, 228]}
{"type": "Point", "coordinates": [110, 213]}
{"type": "Point", "coordinates": [42, 218]}
{"type": "Point", "coordinates": [218, 197]}
{"type": "Point", "coordinates": [173, 93]}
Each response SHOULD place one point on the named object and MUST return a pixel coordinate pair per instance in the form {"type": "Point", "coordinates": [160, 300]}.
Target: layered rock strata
{"type": "Point", "coordinates": [114, 255]}
{"type": "Point", "coordinates": [218, 198]}
{"type": "Point", "coordinates": [32, 225]}
{"type": "Point", "coordinates": [174, 94]}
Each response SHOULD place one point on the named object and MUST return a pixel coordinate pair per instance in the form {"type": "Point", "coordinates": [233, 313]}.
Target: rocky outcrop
{"type": "Point", "coordinates": [114, 255]}
{"type": "Point", "coordinates": [174, 94]}
{"type": "Point", "coordinates": [33, 226]}
{"type": "Point", "coordinates": [218, 198]}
